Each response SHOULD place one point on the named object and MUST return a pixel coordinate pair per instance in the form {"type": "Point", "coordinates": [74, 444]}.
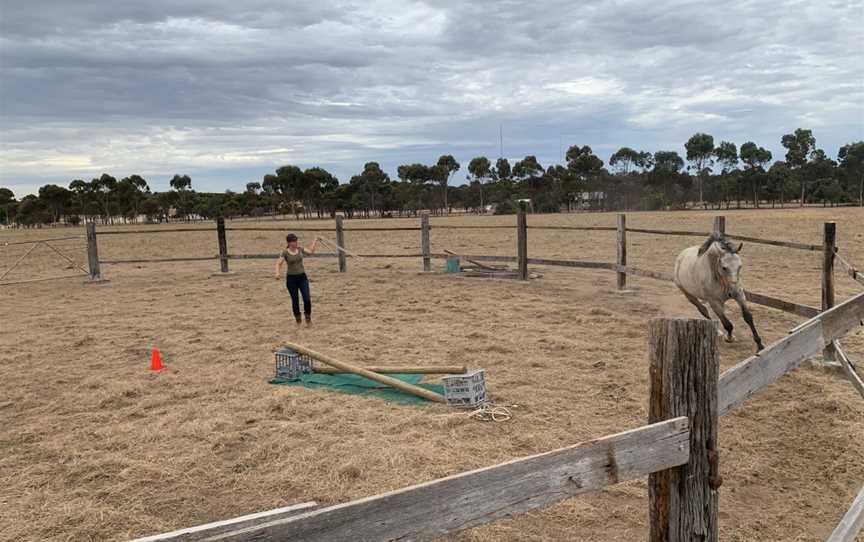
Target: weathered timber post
{"type": "Point", "coordinates": [425, 245]}
{"type": "Point", "coordinates": [93, 253]}
{"type": "Point", "coordinates": [622, 250]}
{"type": "Point", "coordinates": [522, 241]}
{"type": "Point", "coordinates": [684, 365]}
{"type": "Point", "coordinates": [340, 245]}
{"type": "Point", "coordinates": [223, 244]}
{"type": "Point", "coordinates": [719, 224]}
{"type": "Point", "coordinates": [829, 247]}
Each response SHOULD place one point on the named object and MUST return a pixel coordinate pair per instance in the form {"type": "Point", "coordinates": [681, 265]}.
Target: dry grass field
{"type": "Point", "coordinates": [93, 446]}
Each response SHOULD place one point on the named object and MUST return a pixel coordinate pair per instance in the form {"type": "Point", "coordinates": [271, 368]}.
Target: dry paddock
{"type": "Point", "coordinates": [95, 447]}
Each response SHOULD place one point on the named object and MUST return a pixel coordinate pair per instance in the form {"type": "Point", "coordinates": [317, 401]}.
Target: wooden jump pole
{"type": "Point", "coordinates": [829, 247]}
{"type": "Point", "coordinates": [340, 241]}
{"type": "Point", "coordinates": [425, 245]}
{"type": "Point", "coordinates": [522, 241]}
{"type": "Point", "coordinates": [348, 368]}
{"type": "Point", "coordinates": [93, 253]}
{"type": "Point", "coordinates": [223, 244]}
{"type": "Point", "coordinates": [622, 250]}
{"type": "Point", "coordinates": [684, 365]}
{"type": "Point", "coordinates": [719, 224]}
{"type": "Point", "coordinates": [403, 369]}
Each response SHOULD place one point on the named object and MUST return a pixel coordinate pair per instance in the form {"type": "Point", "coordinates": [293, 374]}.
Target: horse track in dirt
{"type": "Point", "coordinates": [93, 446]}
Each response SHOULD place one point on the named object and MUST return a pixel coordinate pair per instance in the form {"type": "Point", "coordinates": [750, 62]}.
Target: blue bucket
{"type": "Point", "coordinates": [452, 265]}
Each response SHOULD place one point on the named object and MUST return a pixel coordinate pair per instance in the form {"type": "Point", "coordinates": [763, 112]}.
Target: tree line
{"type": "Point", "coordinates": [709, 175]}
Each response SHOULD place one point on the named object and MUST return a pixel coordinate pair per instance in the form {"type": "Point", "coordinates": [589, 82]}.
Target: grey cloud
{"type": "Point", "coordinates": [221, 86]}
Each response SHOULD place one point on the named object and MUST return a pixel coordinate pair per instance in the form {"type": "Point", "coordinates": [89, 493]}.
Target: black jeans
{"type": "Point", "coordinates": [299, 285]}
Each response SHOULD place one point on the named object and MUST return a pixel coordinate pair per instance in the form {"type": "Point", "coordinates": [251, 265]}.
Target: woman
{"type": "Point", "coordinates": [295, 278]}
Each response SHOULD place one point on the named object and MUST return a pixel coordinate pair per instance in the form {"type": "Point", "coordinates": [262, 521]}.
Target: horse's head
{"type": "Point", "coordinates": [724, 258]}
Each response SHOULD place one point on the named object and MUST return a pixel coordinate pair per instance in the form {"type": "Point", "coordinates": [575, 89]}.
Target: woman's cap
{"type": "Point", "coordinates": [290, 237]}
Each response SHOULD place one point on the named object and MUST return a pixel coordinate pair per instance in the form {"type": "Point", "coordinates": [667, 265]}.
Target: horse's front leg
{"type": "Point", "coordinates": [748, 317]}
{"type": "Point", "coordinates": [717, 307]}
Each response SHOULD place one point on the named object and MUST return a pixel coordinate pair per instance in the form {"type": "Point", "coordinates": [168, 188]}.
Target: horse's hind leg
{"type": "Point", "coordinates": [717, 307]}
{"type": "Point", "coordinates": [702, 309]}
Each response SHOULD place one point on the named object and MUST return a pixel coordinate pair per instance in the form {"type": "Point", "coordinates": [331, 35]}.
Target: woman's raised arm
{"type": "Point", "coordinates": [311, 249]}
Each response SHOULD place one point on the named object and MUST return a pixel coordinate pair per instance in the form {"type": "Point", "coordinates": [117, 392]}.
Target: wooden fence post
{"type": "Point", "coordinates": [93, 253]}
{"type": "Point", "coordinates": [425, 245]}
{"type": "Point", "coordinates": [340, 244]}
{"type": "Point", "coordinates": [522, 241]}
{"type": "Point", "coordinates": [719, 224]}
{"type": "Point", "coordinates": [829, 247]}
{"type": "Point", "coordinates": [684, 365]}
{"type": "Point", "coordinates": [223, 244]}
{"type": "Point", "coordinates": [622, 250]}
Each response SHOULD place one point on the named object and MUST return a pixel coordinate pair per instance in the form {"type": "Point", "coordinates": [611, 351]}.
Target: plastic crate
{"type": "Point", "coordinates": [465, 390]}
{"type": "Point", "coordinates": [290, 364]}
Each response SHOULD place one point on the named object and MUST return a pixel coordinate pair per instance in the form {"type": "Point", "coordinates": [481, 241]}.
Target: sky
{"type": "Point", "coordinates": [228, 91]}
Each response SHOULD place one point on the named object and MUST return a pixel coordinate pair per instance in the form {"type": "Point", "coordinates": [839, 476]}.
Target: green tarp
{"type": "Point", "coordinates": [357, 385]}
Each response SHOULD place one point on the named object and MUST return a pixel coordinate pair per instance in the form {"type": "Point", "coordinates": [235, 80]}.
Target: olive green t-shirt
{"type": "Point", "coordinates": [294, 262]}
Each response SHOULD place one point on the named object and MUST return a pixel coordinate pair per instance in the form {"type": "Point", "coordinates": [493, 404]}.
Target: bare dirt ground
{"type": "Point", "coordinates": [95, 447]}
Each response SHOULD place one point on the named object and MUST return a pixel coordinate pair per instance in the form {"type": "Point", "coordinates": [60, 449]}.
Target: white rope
{"type": "Point", "coordinates": [490, 412]}
{"type": "Point", "coordinates": [335, 246]}
{"type": "Point", "coordinates": [851, 269]}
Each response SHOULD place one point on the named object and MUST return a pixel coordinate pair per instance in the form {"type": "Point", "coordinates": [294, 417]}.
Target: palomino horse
{"type": "Point", "coordinates": [710, 273]}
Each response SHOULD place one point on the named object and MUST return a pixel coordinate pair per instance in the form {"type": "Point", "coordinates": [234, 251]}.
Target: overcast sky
{"type": "Point", "coordinates": [227, 91]}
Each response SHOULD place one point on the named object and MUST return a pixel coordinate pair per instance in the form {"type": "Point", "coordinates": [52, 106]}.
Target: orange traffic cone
{"type": "Point", "coordinates": [156, 360]}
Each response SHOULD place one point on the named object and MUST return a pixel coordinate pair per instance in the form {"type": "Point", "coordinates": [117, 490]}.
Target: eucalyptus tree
{"type": "Point", "coordinates": [799, 149]}
{"type": "Point", "coordinates": [446, 167]}
{"type": "Point", "coordinates": [480, 169]}
{"type": "Point", "coordinates": [182, 187]}
{"type": "Point", "coordinates": [726, 155]}
{"type": "Point", "coordinates": [851, 158]}
{"type": "Point", "coordinates": [700, 149]}
{"type": "Point", "coordinates": [755, 158]}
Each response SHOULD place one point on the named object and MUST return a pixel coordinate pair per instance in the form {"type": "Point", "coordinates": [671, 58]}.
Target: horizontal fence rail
{"type": "Point", "coordinates": [13, 243]}
{"type": "Point", "coordinates": [669, 232]}
{"type": "Point", "coordinates": [432, 509]}
{"type": "Point", "coordinates": [574, 228]}
{"type": "Point", "coordinates": [318, 255]}
{"type": "Point", "coordinates": [163, 230]}
{"type": "Point", "coordinates": [571, 263]}
{"type": "Point", "coordinates": [852, 523]}
{"type": "Point", "coordinates": [470, 227]}
{"type": "Point", "coordinates": [406, 228]}
{"type": "Point", "coordinates": [160, 260]}
{"type": "Point", "coordinates": [787, 306]}
{"type": "Point", "coordinates": [210, 530]}
{"type": "Point", "coordinates": [785, 244]}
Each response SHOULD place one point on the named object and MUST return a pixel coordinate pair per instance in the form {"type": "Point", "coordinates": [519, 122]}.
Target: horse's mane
{"type": "Point", "coordinates": [721, 240]}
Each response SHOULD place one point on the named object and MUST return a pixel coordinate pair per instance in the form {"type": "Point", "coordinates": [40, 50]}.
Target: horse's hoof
{"type": "Point", "coordinates": [729, 339]}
